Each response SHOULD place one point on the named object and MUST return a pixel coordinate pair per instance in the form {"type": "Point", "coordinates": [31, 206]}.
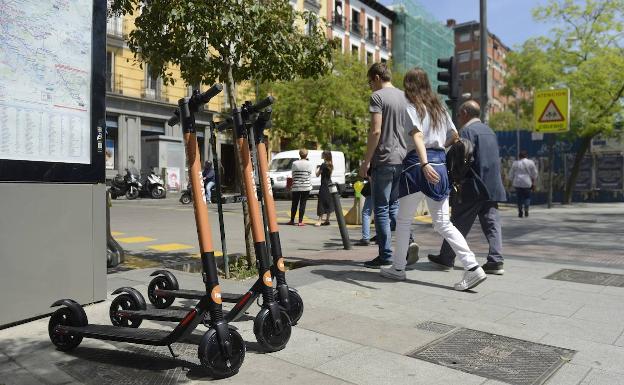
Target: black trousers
{"type": "Point", "coordinates": [298, 198]}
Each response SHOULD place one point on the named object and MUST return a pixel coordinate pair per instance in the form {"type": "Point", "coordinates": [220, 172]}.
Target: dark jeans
{"type": "Point", "coordinates": [463, 216]}
{"type": "Point", "coordinates": [385, 194]}
{"type": "Point", "coordinates": [524, 198]}
{"type": "Point", "coordinates": [298, 198]}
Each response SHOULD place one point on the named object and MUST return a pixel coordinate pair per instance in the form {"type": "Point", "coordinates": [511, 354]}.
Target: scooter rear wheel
{"type": "Point", "coordinates": [158, 192]}
{"type": "Point", "coordinates": [267, 336]}
{"type": "Point", "coordinates": [185, 199]}
{"type": "Point", "coordinates": [133, 193]}
{"type": "Point", "coordinates": [296, 305]}
{"type": "Point", "coordinates": [124, 302]}
{"type": "Point", "coordinates": [212, 358]}
{"type": "Point", "coordinates": [160, 282]}
{"type": "Point", "coordinates": [64, 342]}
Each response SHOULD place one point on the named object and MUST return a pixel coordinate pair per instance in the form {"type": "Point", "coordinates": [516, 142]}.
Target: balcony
{"type": "Point", "coordinates": [152, 91]}
{"type": "Point", "coordinates": [114, 27]}
{"type": "Point", "coordinates": [339, 21]}
{"type": "Point", "coordinates": [356, 28]}
{"type": "Point", "coordinates": [371, 36]}
{"type": "Point", "coordinates": [114, 83]}
{"type": "Point", "coordinates": [384, 43]}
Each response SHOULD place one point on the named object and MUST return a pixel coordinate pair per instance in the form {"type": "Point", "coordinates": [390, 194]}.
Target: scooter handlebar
{"type": "Point", "coordinates": [211, 93]}
{"type": "Point", "coordinates": [175, 118]}
{"type": "Point", "coordinates": [262, 104]}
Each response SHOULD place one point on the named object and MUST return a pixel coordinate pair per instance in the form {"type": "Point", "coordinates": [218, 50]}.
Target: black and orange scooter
{"type": "Point", "coordinates": [222, 349]}
{"type": "Point", "coordinates": [164, 287]}
{"type": "Point", "coordinates": [272, 325]}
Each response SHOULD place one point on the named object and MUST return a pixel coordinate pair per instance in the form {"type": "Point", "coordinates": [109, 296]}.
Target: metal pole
{"type": "Point", "coordinates": [344, 234]}
{"type": "Point", "coordinates": [551, 166]}
{"type": "Point", "coordinates": [484, 60]}
{"type": "Point", "coordinates": [517, 129]}
{"type": "Point", "coordinates": [215, 161]}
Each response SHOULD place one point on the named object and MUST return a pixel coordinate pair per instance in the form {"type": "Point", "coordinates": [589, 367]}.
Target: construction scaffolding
{"type": "Point", "coordinates": [419, 39]}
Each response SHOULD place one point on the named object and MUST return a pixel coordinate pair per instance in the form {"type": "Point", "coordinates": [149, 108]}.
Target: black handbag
{"type": "Point", "coordinates": [366, 190]}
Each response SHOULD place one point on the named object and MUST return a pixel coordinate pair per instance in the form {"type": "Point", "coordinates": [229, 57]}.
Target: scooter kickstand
{"type": "Point", "coordinates": [172, 353]}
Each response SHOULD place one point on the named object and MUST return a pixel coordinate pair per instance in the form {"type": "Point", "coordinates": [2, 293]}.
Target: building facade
{"type": "Point", "coordinates": [419, 40]}
{"type": "Point", "coordinates": [363, 28]}
{"type": "Point", "coordinates": [467, 54]}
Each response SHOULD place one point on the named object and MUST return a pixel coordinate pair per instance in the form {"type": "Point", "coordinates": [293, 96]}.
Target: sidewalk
{"type": "Point", "coordinates": [360, 328]}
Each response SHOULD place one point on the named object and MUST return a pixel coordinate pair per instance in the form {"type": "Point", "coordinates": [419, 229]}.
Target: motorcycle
{"type": "Point", "coordinates": [153, 186]}
{"type": "Point", "coordinates": [127, 185]}
{"type": "Point", "coordinates": [187, 196]}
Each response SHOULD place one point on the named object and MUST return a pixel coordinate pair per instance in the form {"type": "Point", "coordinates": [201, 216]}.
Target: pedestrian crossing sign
{"type": "Point", "coordinates": [551, 110]}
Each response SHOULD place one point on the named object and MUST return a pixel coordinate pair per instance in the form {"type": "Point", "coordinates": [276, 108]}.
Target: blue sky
{"type": "Point", "coordinates": [510, 20]}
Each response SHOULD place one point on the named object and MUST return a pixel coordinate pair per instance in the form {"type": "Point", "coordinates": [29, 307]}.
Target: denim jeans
{"type": "Point", "coordinates": [385, 194]}
{"type": "Point", "coordinates": [524, 197]}
{"type": "Point", "coordinates": [208, 188]}
{"type": "Point", "coordinates": [367, 210]}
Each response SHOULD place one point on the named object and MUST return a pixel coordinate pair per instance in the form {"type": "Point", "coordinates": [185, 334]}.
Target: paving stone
{"type": "Point", "coordinates": [373, 366]}
{"type": "Point", "coordinates": [604, 332]}
{"type": "Point", "coordinates": [569, 374]}
{"type": "Point", "coordinates": [601, 377]}
{"type": "Point", "coordinates": [599, 313]}
{"type": "Point", "coordinates": [590, 354]}
{"type": "Point", "coordinates": [532, 303]}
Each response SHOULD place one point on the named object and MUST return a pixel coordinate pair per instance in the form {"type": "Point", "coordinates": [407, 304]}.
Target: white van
{"type": "Point", "coordinates": [281, 165]}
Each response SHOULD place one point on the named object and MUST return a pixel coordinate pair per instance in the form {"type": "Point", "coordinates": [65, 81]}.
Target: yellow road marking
{"type": "Point", "coordinates": [134, 262]}
{"type": "Point", "coordinates": [116, 233]}
{"type": "Point", "coordinates": [135, 239]}
{"type": "Point", "coordinates": [170, 247]}
{"type": "Point", "coordinates": [217, 253]}
{"type": "Point", "coordinates": [423, 218]}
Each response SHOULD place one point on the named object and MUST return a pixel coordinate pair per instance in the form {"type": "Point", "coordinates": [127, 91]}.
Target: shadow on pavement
{"type": "Point", "coordinates": [354, 276]}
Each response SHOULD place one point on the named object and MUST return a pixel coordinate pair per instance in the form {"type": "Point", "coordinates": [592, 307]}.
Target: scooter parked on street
{"type": "Point", "coordinates": [153, 186]}
{"type": "Point", "coordinates": [222, 349]}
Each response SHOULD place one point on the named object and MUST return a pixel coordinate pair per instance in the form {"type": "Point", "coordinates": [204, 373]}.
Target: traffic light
{"type": "Point", "coordinates": [450, 82]}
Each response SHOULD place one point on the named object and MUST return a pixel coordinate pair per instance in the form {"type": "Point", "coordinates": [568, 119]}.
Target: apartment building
{"type": "Point", "coordinates": [363, 28]}
{"type": "Point", "coordinates": [467, 53]}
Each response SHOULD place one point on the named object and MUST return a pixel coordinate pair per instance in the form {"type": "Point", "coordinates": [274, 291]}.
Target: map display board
{"type": "Point", "coordinates": [52, 95]}
{"type": "Point", "coordinates": [45, 80]}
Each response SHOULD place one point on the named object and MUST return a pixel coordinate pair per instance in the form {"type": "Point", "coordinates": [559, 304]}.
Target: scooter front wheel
{"type": "Point", "coordinates": [267, 335]}
{"type": "Point", "coordinates": [295, 303]}
{"type": "Point", "coordinates": [160, 282]}
{"type": "Point", "coordinates": [158, 192]}
{"type": "Point", "coordinates": [124, 302]}
{"type": "Point", "coordinates": [63, 341]}
{"type": "Point", "coordinates": [213, 359]}
{"type": "Point", "coordinates": [185, 199]}
{"type": "Point", "coordinates": [133, 193]}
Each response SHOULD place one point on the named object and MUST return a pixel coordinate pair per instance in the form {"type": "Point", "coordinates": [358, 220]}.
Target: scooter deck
{"type": "Point", "coordinates": [197, 294]}
{"type": "Point", "coordinates": [113, 333]}
{"type": "Point", "coordinates": [170, 314]}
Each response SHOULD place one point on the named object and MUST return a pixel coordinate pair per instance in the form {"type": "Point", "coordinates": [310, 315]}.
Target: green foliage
{"type": "Point", "coordinates": [583, 52]}
{"type": "Point", "coordinates": [331, 111]}
{"type": "Point", "coordinates": [257, 40]}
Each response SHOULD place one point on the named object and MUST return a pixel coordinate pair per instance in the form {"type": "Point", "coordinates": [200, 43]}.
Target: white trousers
{"type": "Point", "coordinates": [439, 211]}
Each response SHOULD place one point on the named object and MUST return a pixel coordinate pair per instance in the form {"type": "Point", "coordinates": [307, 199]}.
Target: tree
{"type": "Point", "coordinates": [584, 53]}
{"type": "Point", "coordinates": [331, 111]}
{"type": "Point", "coordinates": [229, 41]}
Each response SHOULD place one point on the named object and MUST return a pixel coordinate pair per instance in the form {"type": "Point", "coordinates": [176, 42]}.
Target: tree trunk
{"type": "Point", "coordinates": [585, 142]}
{"type": "Point", "coordinates": [249, 248]}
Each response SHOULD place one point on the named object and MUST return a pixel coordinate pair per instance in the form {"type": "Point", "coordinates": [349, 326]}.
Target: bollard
{"type": "Point", "coordinates": [333, 190]}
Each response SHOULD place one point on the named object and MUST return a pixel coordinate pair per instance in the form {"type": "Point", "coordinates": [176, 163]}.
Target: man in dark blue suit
{"type": "Point", "coordinates": [481, 191]}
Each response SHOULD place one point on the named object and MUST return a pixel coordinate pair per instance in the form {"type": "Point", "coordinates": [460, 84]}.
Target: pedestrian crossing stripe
{"type": "Point", "coordinates": [170, 247]}
{"type": "Point", "coordinates": [116, 233]}
{"type": "Point", "coordinates": [134, 262]}
{"type": "Point", "coordinates": [135, 239]}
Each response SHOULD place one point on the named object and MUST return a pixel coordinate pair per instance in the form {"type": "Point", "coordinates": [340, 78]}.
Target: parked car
{"type": "Point", "coordinates": [280, 170]}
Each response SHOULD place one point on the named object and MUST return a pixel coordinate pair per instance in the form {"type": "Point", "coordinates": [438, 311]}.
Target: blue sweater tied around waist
{"type": "Point", "coordinates": [413, 180]}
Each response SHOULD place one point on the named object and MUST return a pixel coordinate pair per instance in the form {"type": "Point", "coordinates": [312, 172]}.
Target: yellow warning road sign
{"type": "Point", "coordinates": [551, 110]}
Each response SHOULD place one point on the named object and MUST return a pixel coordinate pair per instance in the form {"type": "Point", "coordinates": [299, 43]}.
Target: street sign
{"type": "Point", "coordinates": [551, 111]}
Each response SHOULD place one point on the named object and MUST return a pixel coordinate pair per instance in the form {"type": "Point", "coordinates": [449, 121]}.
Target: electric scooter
{"type": "Point", "coordinates": [222, 349]}
{"type": "Point", "coordinates": [272, 325]}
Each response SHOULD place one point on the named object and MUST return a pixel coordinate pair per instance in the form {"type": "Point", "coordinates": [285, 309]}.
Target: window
{"type": "Point", "coordinates": [384, 37]}
{"type": "Point", "coordinates": [370, 31]}
{"type": "Point", "coordinates": [464, 75]}
{"type": "Point", "coordinates": [152, 127]}
{"type": "Point", "coordinates": [476, 75]}
{"type": "Point", "coordinates": [311, 26]}
{"type": "Point", "coordinates": [464, 37]}
{"type": "Point", "coordinates": [463, 56]}
{"type": "Point", "coordinates": [369, 57]}
{"type": "Point", "coordinates": [355, 22]}
{"type": "Point", "coordinates": [476, 55]}
{"type": "Point", "coordinates": [384, 60]}
{"type": "Point", "coordinates": [355, 51]}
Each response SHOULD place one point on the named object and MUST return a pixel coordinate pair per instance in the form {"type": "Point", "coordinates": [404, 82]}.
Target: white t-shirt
{"type": "Point", "coordinates": [301, 173]}
{"type": "Point", "coordinates": [523, 172]}
{"type": "Point", "coordinates": [434, 137]}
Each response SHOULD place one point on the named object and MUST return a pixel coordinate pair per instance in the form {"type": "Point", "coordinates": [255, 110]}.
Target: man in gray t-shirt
{"type": "Point", "coordinates": [384, 155]}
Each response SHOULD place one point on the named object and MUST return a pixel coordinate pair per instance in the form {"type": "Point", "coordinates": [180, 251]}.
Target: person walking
{"type": "Point", "coordinates": [301, 186]}
{"type": "Point", "coordinates": [523, 175]}
{"type": "Point", "coordinates": [424, 170]}
{"type": "Point", "coordinates": [385, 150]}
{"type": "Point", "coordinates": [480, 192]}
{"type": "Point", "coordinates": [208, 175]}
{"type": "Point", "coordinates": [325, 203]}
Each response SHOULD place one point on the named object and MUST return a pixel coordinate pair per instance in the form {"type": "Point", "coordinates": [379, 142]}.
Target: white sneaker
{"type": "Point", "coordinates": [471, 279]}
{"type": "Point", "coordinates": [392, 273]}
{"type": "Point", "coordinates": [412, 254]}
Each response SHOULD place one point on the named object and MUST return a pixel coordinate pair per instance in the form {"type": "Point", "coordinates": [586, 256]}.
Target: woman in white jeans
{"type": "Point", "coordinates": [424, 170]}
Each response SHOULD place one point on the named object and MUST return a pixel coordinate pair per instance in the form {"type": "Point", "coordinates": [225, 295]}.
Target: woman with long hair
{"type": "Point", "coordinates": [424, 170]}
{"type": "Point", "coordinates": [325, 203]}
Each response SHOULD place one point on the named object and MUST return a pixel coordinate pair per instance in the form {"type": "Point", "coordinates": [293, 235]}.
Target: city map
{"type": "Point", "coordinates": [45, 80]}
